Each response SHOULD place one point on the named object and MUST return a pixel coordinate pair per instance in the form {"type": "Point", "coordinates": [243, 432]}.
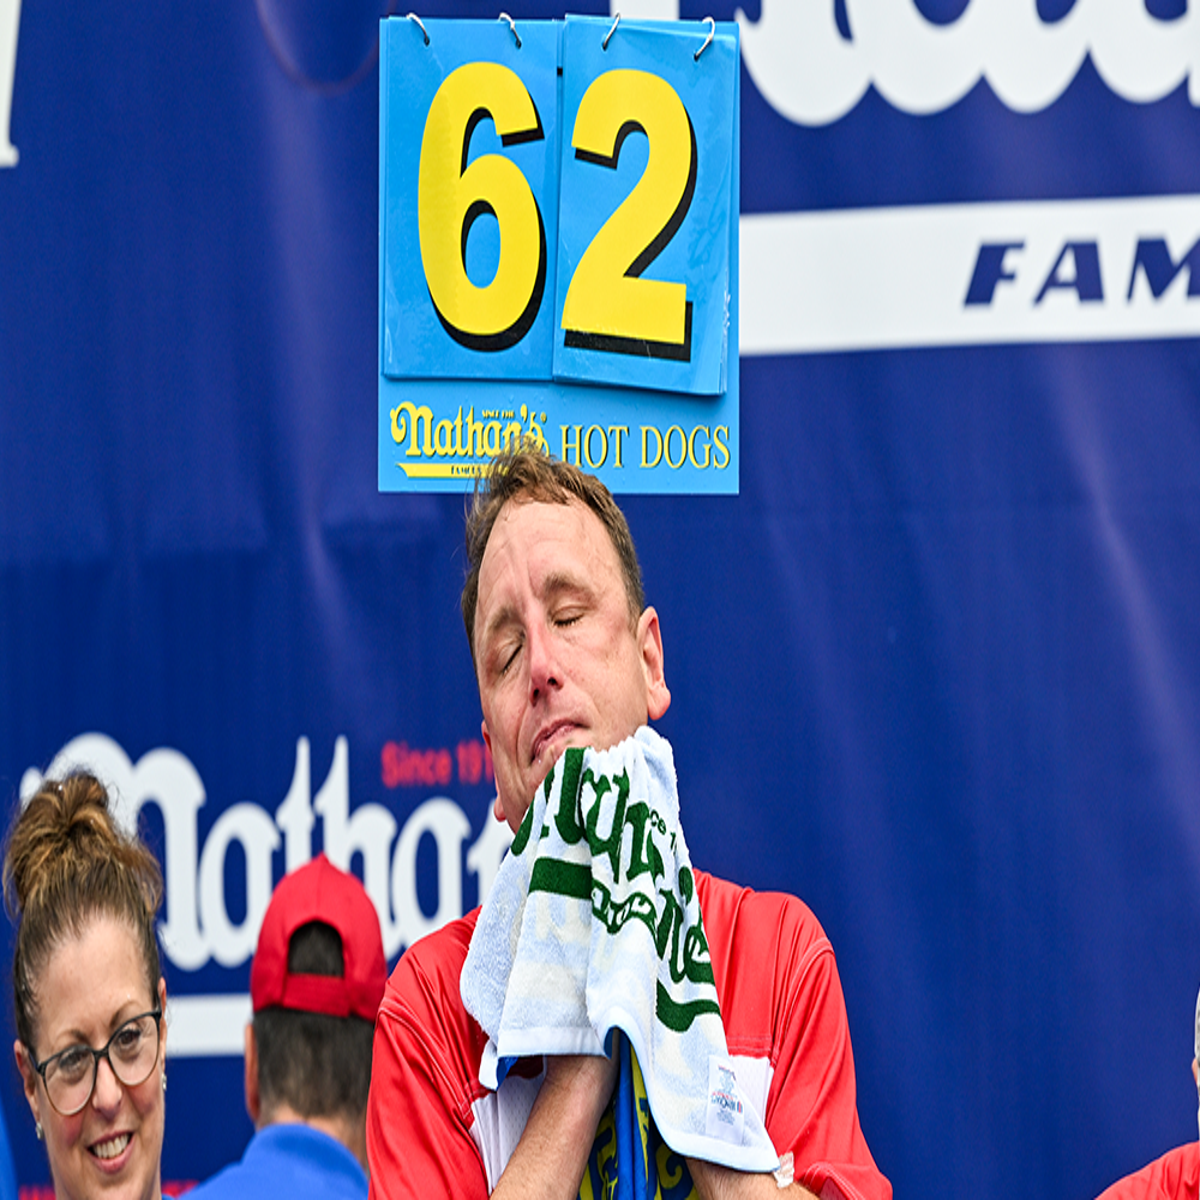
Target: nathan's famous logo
{"type": "Point", "coordinates": [202, 925]}
{"type": "Point", "coordinates": [637, 885]}
{"type": "Point", "coordinates": [461, 446]}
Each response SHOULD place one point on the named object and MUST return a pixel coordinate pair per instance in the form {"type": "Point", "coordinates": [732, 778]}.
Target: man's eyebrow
{"type": "Point", "coordinates": [560, 583]}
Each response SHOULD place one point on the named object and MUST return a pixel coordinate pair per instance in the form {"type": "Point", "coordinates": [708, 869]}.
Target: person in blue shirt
{"type": "Point", "coordinates": [316, 982]}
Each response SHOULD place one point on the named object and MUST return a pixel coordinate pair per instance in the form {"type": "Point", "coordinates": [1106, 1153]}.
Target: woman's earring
{"type": "Point", "coordinates": [41, 1133]}
{"type": "Point", "coordinates": [164, 1081]}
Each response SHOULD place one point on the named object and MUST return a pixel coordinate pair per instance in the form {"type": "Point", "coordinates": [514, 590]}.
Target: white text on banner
{"type": "Point", "coordinates": [971, 274]}
{"type": "Point", "coordinates": [207, 1025]}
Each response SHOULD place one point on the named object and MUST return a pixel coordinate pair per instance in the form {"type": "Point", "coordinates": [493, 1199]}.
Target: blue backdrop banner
{"type": "Point", "coordinates": [929, 614]}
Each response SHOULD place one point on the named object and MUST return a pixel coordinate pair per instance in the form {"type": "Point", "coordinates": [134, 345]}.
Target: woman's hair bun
{"type": "Point", "coordinates": [67, 830]}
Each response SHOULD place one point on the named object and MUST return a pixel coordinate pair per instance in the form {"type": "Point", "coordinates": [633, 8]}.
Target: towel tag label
{"type": "Point", "coordinates": [726, 1115]}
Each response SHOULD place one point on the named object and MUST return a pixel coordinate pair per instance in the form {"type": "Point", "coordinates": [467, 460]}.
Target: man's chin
{"type": "Point", "coordinates": [576, 738]}
{"type": "Point", "coordinates": [546, 764]}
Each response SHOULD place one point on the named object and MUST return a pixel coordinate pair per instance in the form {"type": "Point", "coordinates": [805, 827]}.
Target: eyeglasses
{"type": "Point", "coordinates": [70, 1075]}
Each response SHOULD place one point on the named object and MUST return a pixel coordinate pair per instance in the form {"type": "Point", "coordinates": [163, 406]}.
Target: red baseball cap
{"type": "Point", "coordinates": [319, 891]}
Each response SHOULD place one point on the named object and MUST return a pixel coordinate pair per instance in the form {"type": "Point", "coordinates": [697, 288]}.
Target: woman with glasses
{"type": "Point", "coordinates": [88, 993]}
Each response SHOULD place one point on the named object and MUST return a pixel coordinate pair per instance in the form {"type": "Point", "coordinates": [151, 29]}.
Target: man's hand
{"type": "Point", "coordinates": [721, 1183]}
{"type": "Point", "coordinates": [552, 1155]}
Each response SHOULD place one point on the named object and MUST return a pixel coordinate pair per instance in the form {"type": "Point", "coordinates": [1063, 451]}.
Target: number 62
{"type": "Point", "coordinates": [609, 307]}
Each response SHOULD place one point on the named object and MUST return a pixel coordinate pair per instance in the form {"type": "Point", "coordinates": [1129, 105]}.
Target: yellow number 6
{"type": "Point", "coordinates": [451, 196]}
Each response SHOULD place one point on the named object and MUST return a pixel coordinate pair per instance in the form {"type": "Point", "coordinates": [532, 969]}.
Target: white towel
{"type": "Point", "coordinates": [594, 924]}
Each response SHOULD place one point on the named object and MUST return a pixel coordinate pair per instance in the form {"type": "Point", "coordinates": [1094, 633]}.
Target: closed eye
{"type": "Point", "coordinates": [506, 656]}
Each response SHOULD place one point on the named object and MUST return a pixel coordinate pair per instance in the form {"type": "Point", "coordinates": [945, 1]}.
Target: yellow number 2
{"type": "Point", "coordinates": [608, 305]}
{"type": "Point", "coordinates": [452, 195]}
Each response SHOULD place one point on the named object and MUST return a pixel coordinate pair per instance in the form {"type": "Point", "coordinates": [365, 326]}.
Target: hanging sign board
{"type": "Point", "coordinates": [558, 250]}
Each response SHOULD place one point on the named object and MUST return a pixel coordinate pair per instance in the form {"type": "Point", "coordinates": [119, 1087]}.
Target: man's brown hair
{"type": "Point", "coordinates": [529, 475]}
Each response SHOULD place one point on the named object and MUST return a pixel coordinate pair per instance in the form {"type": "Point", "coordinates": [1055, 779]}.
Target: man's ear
{"type": "Point", "coordinates": [497, 806]}
{"type": "Point", "coordinates": [649, 639]}
{"type": "Point", "coordinates": [253, 1100]}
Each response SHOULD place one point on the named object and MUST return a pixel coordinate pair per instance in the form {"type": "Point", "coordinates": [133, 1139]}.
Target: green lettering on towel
{"type": "Point", "coordinates": [679, 1016]}
{"type": "Point", "coordinates": [561, 878]}
{"type": "Point", "coordinates": [609, 845]}
{"type": "Point", "coordinates": [567, 818]}
{"type": "Point", "coordinates": [668, 912]}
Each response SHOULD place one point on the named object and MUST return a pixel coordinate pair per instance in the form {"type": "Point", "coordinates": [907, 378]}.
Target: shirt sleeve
{"type": "Point", "coordinates": [419, 1114]}
{"type": "Point", "coordinates": [781, 999]}
{"type": "Point", "coordinates": [1175, 1176]}
{"type": "Point", "coordinates": [812, 1107]}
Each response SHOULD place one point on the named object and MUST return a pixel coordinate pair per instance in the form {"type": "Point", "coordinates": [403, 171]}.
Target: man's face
{"type": "Point", "coordinates": [559, 661]}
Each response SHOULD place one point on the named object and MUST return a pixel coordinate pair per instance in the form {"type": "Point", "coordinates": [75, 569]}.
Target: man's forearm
{"type": "Point", "coordinates": [552, 1155]}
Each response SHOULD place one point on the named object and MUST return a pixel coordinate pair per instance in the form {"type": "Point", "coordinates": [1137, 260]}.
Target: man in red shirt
{"type": "Point", "coordinates": [1175, 1176]}
{"type": "Point", "coordinates": [567, 653]}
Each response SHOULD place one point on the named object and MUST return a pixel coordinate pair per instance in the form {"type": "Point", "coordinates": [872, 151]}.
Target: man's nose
{"type": "Point", "coordinates": [544, 671]}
